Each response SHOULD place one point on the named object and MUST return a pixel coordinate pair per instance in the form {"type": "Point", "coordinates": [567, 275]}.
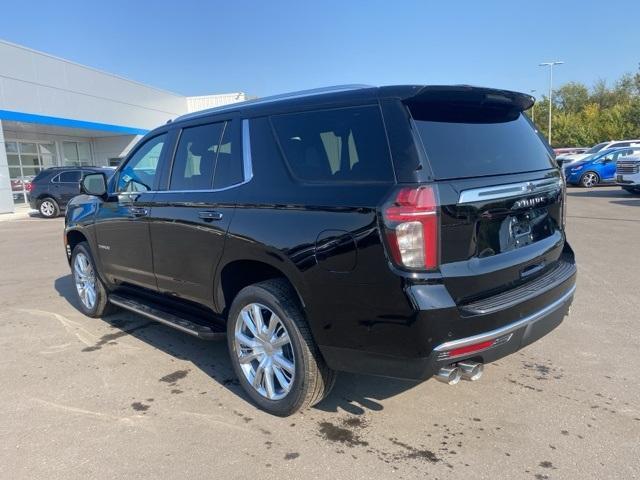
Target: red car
{"type": "Point", "coordinates": [20, 184]}
{"type": "Point", "coordinates": [569, 151]}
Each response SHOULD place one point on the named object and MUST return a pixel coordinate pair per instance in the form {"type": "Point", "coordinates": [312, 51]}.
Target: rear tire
{"type": "Point", "coordinates": [280, 368]}
{"type": "Point", "coordinates": [90, 291]}
{"type": "Point", "coordinates": [589, 179]}
{"type": "Point", "coordinates": [49, 208]}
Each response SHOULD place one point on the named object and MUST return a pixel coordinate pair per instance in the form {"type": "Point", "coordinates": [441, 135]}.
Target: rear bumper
{"type": "Point", "coordinates": [445, 329]}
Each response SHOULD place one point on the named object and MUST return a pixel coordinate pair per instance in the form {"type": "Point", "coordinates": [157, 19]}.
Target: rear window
{"type": "Point", "coordinates": [468, 141]}
{"type": "Point", "coordinates": [337, 145]}
{"type": "Point", "coordinates": [597, 148]}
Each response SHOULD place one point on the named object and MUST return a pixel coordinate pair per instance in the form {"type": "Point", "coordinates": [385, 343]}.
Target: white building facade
{"type": "Point", "coordinates": [54, 112]}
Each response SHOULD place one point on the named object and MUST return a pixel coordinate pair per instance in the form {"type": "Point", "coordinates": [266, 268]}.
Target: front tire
{"type": "Point", "coordinates": [273, 352]}
{"type": "Point", "coordinates": [589, 179]}
{"type": "Point", "coordinates": [91, 292]}
{"type": "Point", "coordinates": [49, 208]}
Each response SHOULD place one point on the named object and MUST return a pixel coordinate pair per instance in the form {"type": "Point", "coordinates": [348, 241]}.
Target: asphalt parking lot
{"type": "Point", "coordinates": [123, 397]}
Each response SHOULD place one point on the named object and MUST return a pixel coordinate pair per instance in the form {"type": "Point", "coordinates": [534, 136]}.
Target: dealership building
{"type": "Point", "coordinates": [54, 112]}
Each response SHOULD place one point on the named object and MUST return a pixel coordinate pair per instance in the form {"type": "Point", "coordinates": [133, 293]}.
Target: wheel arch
{"type": "Point", "coordinates": [240, 273]}
{"type": "Point", "coordinates": [71, 239]}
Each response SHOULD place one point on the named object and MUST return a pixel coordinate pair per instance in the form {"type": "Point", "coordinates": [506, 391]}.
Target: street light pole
{"type": "Point", "coordinates": [533, 109]}
{"type": "Point", "coordinates": [550, 65]}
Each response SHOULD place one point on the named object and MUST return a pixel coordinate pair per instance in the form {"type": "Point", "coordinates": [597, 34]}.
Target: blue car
{"type": "Point", "coordinates": [597, 168]}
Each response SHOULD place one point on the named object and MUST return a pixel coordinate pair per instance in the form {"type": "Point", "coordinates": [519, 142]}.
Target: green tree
{"type": "Point", "coordinates": [585, 116]}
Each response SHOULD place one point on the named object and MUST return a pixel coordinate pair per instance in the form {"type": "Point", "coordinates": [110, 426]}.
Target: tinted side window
{"type": "Point", "coordinates": [139, 174]}
{"type": "Point", "coordinates": [229, 164]}
{"type": "Point", "coordinates": [338, 145]}
{"type": "Point", "coordinates": [195, 157]}
{"type": "Point", "coordinates": [72, 176]}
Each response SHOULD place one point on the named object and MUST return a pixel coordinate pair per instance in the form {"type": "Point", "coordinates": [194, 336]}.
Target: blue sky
{"type": "Point", "coordinates": [267, 47]}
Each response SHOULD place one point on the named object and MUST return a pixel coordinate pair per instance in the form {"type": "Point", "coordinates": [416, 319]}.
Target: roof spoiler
{"type": "Point", "coordinates": [469, 95]}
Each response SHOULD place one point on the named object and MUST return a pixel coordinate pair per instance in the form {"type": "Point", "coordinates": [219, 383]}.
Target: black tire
{"type": "Point", "coordinates": [587, 179]}
{"type": "Point", "coordinates": [48, 207]}
{"type": "Point", "coordinates": [313, 379]}
{"type": "Point", "coordinates": [101, 306]}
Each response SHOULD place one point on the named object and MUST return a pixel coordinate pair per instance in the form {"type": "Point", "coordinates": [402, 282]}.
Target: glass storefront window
{"type": "Point", "coordinates": [29, 160]}
{"type": "Point", "coordinates": [77, 153]}
{"type": "Point", "coordinates": [28, 148]}
{"type": "Point", "coordinates": [70, 153]}
{"type": "Point", "coordinates": [26, 160]}
{"type": "Point", "coordinates": [47, 149]}
{"type": "Point", "coordinates": [84, 153]}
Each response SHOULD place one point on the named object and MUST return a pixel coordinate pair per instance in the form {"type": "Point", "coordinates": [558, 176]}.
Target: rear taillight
{"type": "Point", "coordinates": [28, 186]}
{"type": "Point", "coordinates": [563, 186]}
{"type": "Point", "coordinates": [411, 225]}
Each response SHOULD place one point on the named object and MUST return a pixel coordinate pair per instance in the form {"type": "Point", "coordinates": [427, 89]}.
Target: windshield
{"type": "Point", "coordinates": [465, 142]}
{"type": "Point", "coordinates": [597, 148]}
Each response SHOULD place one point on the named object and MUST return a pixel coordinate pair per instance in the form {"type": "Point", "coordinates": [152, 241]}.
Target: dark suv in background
{"type": "Point", "coordinates": [52, 188]}
{"type": "Point", "coordinates": [405, 231]}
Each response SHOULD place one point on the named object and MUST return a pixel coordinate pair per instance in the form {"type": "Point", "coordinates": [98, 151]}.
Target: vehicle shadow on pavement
{"type": "Point", "coordinates": [357, 394]}
{"type": "Point", "coordinates": [210, 357]}
{"type": "Point", "coordinates": [597, 193]}
{"type": "Point", "coordinates": [352, 393]}
{"type": "Point", "coordinates": [628, 203]}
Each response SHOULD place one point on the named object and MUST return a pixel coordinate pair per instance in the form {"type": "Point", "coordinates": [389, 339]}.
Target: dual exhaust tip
{"type": "Point", "coordinates": [452, 374]}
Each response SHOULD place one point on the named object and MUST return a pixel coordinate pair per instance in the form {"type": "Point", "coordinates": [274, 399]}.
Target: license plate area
{"type": "Point", "coordinates": [507, 232]}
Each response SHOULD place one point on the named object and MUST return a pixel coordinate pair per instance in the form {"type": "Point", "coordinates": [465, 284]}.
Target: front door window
{"type": "Point", "coordinates": [139, 174]}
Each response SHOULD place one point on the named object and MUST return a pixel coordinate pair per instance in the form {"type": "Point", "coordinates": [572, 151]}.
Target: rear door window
{"type": "Point", "coordinates": [337, 145]}
{"type": "Point", "coordinates": [195, 158]}
{"type": "Point", "coordinates": [72, 176]}
{"type": "Point", "coordinates": [463, 142]}
{"type": "Point", "coordinates": [229, 170]}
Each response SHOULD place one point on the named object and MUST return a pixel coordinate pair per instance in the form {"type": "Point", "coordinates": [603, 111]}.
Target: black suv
{"type": "Point", "coordinates": [405, 231]}
{"type": "Point", "coordinates": [52, 188]}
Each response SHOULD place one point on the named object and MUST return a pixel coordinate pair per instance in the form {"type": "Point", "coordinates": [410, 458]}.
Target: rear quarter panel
{"type": "Point", "coordinates": [285, 224]}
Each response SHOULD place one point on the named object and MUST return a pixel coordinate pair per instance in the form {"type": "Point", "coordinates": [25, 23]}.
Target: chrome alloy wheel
{"type": "Point", "coordinates": [47, 208]}
{"type": "Point", "coordinates": [589, 179]}
{"type": "Point", "coordinates": [85, 279]}
{"type": "Point", "coordinates": [264, 351]}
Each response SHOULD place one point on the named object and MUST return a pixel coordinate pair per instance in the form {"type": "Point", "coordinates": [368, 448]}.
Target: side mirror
{"type": "Point", "coordinates": [94, 184]}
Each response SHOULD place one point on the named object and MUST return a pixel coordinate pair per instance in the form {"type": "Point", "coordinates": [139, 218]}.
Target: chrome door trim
{"type": "Point", "coordinates": [496, 192]}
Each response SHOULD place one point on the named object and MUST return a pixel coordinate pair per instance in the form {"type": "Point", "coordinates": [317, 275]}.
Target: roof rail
{"type": "Point", "coordinates": [274, 98]}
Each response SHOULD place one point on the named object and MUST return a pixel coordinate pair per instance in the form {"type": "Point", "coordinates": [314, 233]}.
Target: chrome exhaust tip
{"type": "Point", "coordinates": [449, 375]}
{"type": "Point", "coordinates": [471, 371]}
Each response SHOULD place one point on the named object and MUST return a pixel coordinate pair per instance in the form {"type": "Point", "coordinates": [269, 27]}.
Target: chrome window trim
{"type": "Point", "coordinates": [247, 169]}
{"type": "Point", "coordinates": [512, 327]}
{"type": "Point", "coordinates": [496, 192]}
{"type": "Point", "coordinates": [247, 163]}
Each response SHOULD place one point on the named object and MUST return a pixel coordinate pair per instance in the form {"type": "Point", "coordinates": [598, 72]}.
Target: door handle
{"type": "Point", "coordinates": [139, 211]}
{"type": "Point", "coordinates": [210, 215]}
